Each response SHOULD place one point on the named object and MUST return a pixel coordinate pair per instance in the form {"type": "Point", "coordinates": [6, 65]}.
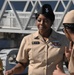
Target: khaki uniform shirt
{"type": "Point", "coordinates": [1, 65]}
{"type": "Point", "coordinates": [42, 55]}
{"type": "Point", "coordinates": [71, 63]}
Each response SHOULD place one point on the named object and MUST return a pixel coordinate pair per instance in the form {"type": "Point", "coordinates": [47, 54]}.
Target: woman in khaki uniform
{"type": "Point", "coordinates": [1, 67]}
{"type": "Point", "coordinates": [68, 23]}
{"type": "Point", "coordinates": [42, 50]}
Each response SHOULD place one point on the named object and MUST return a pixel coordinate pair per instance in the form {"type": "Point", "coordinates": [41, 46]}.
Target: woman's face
{"type": "Point", "coordinates": [69, 34]}
{"type": "Point", "coordinates": [44, 24]}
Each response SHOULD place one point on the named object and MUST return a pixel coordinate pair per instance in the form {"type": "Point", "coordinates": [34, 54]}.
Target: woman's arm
{"type": "Point", "coordinates": [19, 68]}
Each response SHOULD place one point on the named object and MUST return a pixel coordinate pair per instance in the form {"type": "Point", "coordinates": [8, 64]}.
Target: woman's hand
{"type": "Point", "coordinates": [68, 50]}
{"type": "Point", "coordinates": [58, 71]}
{"type": "Point", "coordinates": [9, 72]}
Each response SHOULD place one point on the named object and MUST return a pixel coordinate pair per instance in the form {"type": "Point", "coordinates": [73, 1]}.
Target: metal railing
{"type": "Point", "coordinates": [15, 21]}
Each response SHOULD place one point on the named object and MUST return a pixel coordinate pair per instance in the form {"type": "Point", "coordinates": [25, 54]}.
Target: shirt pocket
{"type": "Point", "coordinates": [55, 55]}
{"type": "Point", "coordinates": [38, 53]}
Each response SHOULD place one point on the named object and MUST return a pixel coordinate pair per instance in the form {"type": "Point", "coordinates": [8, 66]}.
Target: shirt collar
{"type": "Point", "coordinates": [36, 35]}
{"type": "Point", "coordinates": [52, 36]}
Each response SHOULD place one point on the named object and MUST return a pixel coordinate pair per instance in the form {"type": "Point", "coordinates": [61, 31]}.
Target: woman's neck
{"type": "Point", "coordinates": [47, 34]}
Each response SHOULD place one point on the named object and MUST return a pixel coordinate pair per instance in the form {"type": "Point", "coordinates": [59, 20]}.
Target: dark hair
{"type": "Point", "coordinates": [47, 11]}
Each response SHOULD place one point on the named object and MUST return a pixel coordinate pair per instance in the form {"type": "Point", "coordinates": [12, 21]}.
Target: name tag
{"type": "Point", "coordinates": [35, 42]}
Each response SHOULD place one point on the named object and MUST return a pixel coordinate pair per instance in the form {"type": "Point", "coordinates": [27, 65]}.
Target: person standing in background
{"type": "Point", "coordinates": [68, 24]}
{"type": "Point", "coordinates": [1, 67]}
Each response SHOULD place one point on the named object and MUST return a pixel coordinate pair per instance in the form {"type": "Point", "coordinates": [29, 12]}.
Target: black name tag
{"type": "Point", "coordinates": [35, 42]}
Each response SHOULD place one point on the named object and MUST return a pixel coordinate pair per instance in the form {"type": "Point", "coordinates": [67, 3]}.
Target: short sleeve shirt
{"type": "Point", "coordinates": [42, 55]}
{"type": "Point", "coordinates": [71, 63]}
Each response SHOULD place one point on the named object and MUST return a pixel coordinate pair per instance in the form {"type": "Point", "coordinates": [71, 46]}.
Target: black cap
{"type": "Point", "coordinates": [47, 11]}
